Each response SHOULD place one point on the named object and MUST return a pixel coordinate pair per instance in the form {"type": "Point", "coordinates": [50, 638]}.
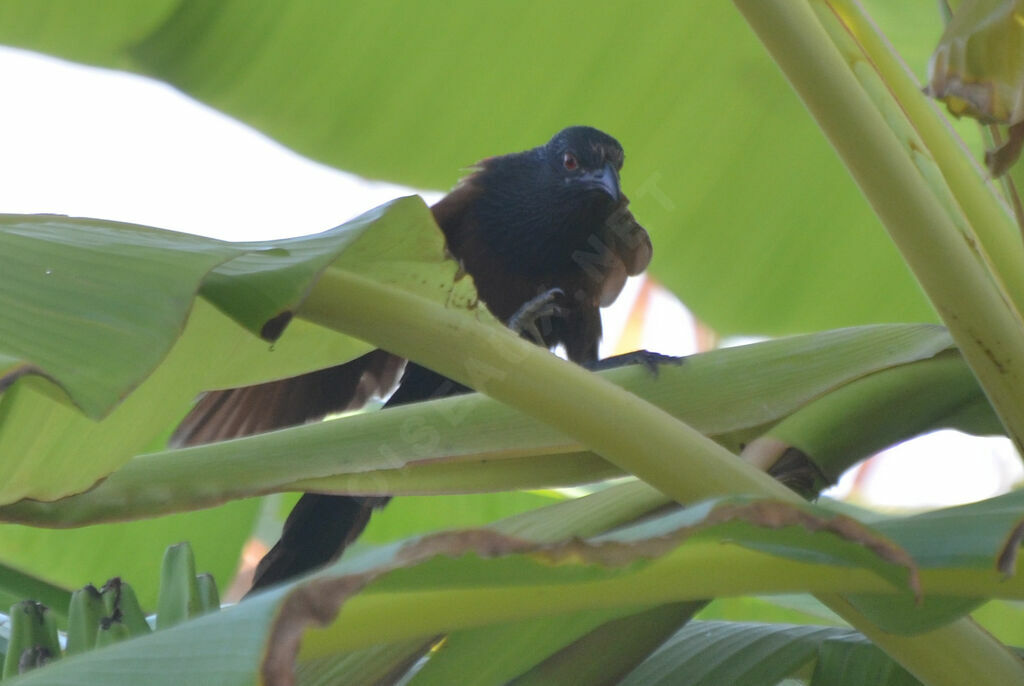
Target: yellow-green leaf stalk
{"type": "Point", "coordinates": [970, 300]}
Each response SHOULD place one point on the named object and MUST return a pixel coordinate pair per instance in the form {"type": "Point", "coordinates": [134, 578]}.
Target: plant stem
{"type": "Point", "coordinates": [983, 208]}
{"type": "Point", "coordinates": [696, 571]}
{"type": "Point", "coordinates": [629, 432]}
{"type": "Point", "coordinates": [984, 325]}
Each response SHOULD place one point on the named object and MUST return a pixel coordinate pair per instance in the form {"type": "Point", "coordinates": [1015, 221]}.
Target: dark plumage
{"type": "Point", "coordinates": [525, 223]}
{"type": "Point", "coordinates": [552, 217]}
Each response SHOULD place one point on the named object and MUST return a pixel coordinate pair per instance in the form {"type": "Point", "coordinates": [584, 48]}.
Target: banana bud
{"type": "Point", "coordinates": [49, 640]}
{"type": "Point", "coordinates": [111, 631]}
{"type": "Point", "coordinates": [209, 597]}
{"type": "Point", "coordinates": [122, 604]}
{"type": "Point", "coordinates": [179, 590]}
{"type": "Point", "coordinates": [84, 614]}
{"type": "Point", "coordinates": [33, 641]}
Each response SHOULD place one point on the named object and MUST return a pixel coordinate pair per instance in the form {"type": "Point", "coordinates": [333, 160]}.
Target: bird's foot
{"type": "Point", "coordinates": [524, 321]}
{"type": "Point", "coordinates": [651, 361]}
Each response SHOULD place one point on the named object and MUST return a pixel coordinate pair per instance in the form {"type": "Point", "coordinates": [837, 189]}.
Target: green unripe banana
{"type": "Point", "coordinates": [49, 640]}
{"type": "Point", "coordinates": [122, 604]}
{"type": "Point", "coordinates": [33, 639]}
{"type": "Point", "coordinates": [22, 616]}
{"type": "Point", "coordinates": [209, 597]}
{"type": "Point", "coordinates": [179, 590]}
{"type": "Point", "coordinates": [111, 632]}
{"type": "Point", "coordinates": [84, 614]}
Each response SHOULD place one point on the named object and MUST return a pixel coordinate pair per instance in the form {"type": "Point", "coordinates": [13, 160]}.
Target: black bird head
{"type": "Point", "coordinates": [540, 206]}
{"type": "Point", "coordinates": [589, 160]}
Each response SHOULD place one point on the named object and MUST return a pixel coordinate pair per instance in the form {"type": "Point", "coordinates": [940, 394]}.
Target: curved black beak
{"type": "Point", "coordinates": [605, 179]}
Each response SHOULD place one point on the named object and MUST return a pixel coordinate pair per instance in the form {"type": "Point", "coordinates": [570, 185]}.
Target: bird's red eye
{"type": "Point", "coordinates": [570, 162]}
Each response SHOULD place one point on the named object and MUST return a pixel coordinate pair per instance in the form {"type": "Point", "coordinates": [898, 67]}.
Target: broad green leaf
{"type": "Point", "coordinates": [982, 535]}
{"type": "Point", "coordinates": [443, 582]}
{"type": "Point", "coordinates": [609, 652]}
{"type": "Point", "coordinates": [264, 632]}
{"type": "Point", "coordinates": [133, 287]}
{"type": "Point", "coordinates": [51, 28]}
{"type": "Point", "coordinates": [514, 648]}
{"type": "Point", "coordinates": [377, 665]}
{"type": "Point", "coordinates": [74, 313]}
{"type": "Point", "coordinates": [700, 175]}
{"type": "Point", "coordinates": [49, 449]}
{"type": "Point", "coordinates": [853, 661]}
{"type": "Point", "coordinates": [793, 531]}
{"type": "Point", "coordinates": [463, 444]}
{"type": "Point", "coordinates": [735, 653]}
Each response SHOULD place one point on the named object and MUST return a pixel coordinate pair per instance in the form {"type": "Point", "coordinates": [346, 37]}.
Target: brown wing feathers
{"type": "Point", "coordinates": [236, 412]}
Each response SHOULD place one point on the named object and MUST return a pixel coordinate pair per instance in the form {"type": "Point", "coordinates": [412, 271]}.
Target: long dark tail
{"type": "Point", "coordinates": [320, 527]}
{"type": "Point", "coordinates": [317, 530]}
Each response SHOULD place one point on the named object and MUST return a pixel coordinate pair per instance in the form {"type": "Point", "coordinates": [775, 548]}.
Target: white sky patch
{"type": "Point", "coordinates": [935, 470]}
{"type": "Point", "coordinates": [90, 142]}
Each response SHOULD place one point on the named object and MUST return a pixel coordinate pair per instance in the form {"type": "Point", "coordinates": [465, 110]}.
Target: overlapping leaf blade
{"type": "Point", "coordinates": [96, 310]}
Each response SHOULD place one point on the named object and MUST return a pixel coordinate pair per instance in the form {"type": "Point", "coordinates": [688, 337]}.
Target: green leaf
{"type": "Point", "coordinates": [113, 335]}
{"type": "Point", "coordinates": [735, 653]}
{"type": "Point", "coordinates": [85, 326]}
{"type": "Point", "coordinates": [798, 532]}
{"type": "Point", "coordinates": [476, 443]}
{"type": "Point", "coordinates": [982, 535]}
{"type": "Point", "coordinates": [985, 534]}
{"type": "Point", "coordinates": [609, 652]}
{"type": "Point", "coordinates": [514, 649]}
{"type": "Point", "coordinates": [470, 561]}
{"type": "Point", "coordinates": [853, 661]}
{"type": "Point", "coordinates": [448, 581]}
{"type": "Point", "coordinates": [380, 664]}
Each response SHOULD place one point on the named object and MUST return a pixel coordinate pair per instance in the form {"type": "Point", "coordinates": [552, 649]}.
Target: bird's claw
{"type": "Point", "coordinates": [650, 360]}
{"type": "Point", "coordinates": [524, 321]}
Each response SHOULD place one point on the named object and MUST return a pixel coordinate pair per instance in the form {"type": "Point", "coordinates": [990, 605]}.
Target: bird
{"type": "Point", "coordinates": [548, 238]}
